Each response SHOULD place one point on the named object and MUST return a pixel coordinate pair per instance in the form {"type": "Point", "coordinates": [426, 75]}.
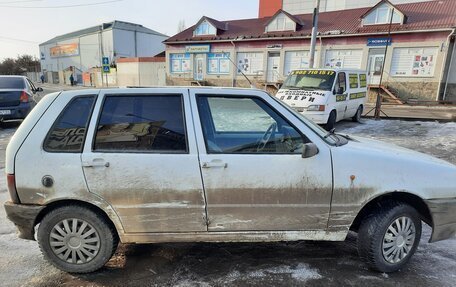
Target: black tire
{"type": "Point", "coordinates": [373, 232]}
{"type": "Point", "coordinates": [357, 117]}
{"type": "Point", "coordinates": [104, 234]}
{"type": "Point", "coordinates": [331, 121]}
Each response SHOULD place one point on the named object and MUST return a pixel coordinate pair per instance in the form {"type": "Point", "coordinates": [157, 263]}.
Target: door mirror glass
{"type": "Point", "coordinates": [39, 89]}
{"type": "Point", "coordinates": [309, 150]}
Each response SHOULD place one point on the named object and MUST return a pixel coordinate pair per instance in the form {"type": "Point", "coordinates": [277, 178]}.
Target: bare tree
{"type": "Point", "coordinates": [181, 26]}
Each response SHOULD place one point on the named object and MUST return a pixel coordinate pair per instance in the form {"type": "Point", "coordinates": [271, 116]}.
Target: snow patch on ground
{"type": "Point", "coordinates": [302, 273]}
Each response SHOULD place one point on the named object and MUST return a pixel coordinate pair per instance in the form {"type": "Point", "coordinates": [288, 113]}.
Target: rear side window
{"type": "Point", "coordinates": [69, 130]}
{"type": "Point", "coordinates": [11, 83]}
{"type": "Point", "coordinates": [143, 123]}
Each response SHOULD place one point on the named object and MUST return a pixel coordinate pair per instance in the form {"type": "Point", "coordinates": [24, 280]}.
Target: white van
{"type": "Point", "coordinates": [326, 96]}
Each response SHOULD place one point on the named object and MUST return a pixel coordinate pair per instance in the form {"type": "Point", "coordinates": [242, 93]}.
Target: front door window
{"type": "Point", "coordinates": [246, 125]}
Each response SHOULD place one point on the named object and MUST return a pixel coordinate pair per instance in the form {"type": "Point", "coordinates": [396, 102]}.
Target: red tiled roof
{"type": "Point", "coordinates": [437, 14]}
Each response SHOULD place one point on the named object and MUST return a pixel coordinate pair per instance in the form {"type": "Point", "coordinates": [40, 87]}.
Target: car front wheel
{"type": "Point", "coordinates": [389, 237]}
{"type": "Point", "coordinates": [76, 239]}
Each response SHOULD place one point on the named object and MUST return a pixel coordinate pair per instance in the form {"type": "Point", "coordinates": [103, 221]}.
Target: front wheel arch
{"type": "Point", "coordinates": [404, 197]}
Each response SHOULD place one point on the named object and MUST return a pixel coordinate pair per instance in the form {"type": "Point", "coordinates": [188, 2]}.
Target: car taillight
{"type": "Point", "coordinates": [11, 182]}
{"type": "Point", "coordinates": [24, 97]}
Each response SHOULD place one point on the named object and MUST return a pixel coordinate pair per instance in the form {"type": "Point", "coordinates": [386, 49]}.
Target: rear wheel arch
{"type": "Point", "coordinates": [404, 197]}
{"type": "Point", "coordinates": [68, 202]}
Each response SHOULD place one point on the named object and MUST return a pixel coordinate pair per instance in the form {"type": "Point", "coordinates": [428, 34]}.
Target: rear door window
{"type": "Point", "coordinates": [142, 123]}
{"type": "Point", "coordinates": [69, 130]}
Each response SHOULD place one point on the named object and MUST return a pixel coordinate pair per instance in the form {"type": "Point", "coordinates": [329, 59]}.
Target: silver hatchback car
{"type": "Point", "coordinates": [94, 167]}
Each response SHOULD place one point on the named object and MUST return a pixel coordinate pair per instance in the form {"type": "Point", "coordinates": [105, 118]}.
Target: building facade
{"type": "Point", "coordinates": [80, 51]}
{"type": "Point", "coordinates": [270, 7]}
{"type": "Point", "coordinates": [417, 55]}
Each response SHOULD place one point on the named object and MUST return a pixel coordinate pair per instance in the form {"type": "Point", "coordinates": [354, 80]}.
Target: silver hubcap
{"type": "Point", "coordinates": [398, 240]}
{"type": "Point", "coordinates": [74, 241]}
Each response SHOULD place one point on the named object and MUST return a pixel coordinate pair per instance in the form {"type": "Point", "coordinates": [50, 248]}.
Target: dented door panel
{"type": "Point", "coordinates": [257, 192]}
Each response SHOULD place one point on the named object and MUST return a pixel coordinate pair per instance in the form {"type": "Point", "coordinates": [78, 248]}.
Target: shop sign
{"type": "Point", "coordinates": [198, 49]}
{"type": "Point", "coordinates": [65, 50]}
{"type": "Point", "coordinates": [274, 46]}
{"type": "Point", "coordinates": [379, 42]}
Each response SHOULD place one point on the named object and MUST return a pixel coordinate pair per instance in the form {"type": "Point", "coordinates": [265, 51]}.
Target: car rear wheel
{"type": "Point", "coordinates": [357, 116]}
{"type": "Point", "coordinates": [331, 121]}
{"type": "Point", "coordinates": [389, 237]}
{"type": "Point", "coordinates": [76, 239]}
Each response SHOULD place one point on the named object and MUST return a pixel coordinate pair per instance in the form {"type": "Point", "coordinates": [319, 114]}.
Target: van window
{"type": "Point", "coordinates": [237, 125]}
{"type": "Point", "coordinates": [341, 85]}
{"type": "Point", "coordinates": [143, 123]}
{"type": "Point", "coordinates": [69, 130]}
{"type": "Point", "coordinates": [362, 80]}
{"type": "Point", "coordinates": [353, 78]}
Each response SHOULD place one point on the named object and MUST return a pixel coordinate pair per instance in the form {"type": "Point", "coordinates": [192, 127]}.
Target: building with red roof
{"type": "Point", "coordinates": [419, 50]}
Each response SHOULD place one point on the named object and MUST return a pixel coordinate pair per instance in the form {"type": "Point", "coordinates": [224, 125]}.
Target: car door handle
{"type": "Point", "coordinates": [215, 163]}
{"type": "Point", "coordinates": [97, 162]}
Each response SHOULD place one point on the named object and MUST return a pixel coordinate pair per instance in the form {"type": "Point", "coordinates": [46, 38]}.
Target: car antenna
{"type": "Point", "coordinates": [239, 70]}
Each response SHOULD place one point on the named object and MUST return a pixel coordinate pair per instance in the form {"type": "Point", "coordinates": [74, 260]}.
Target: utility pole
{"type": "Point", "coordinates": [313, 41]}
{"type": "Point", "coordinates": [378, 103]}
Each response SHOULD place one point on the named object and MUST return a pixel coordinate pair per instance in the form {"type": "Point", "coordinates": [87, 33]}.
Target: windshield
{"type": "Point", "coordinates": [310, 80]}
{"type": "Point", "coordinates": [11, 83]}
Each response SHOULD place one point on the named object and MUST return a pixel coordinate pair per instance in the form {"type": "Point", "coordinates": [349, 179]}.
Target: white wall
{"type": "Point", "coordinates": [141, 74]}
{"type": "Point", "coordinates": [306, 6]}
{"type": "Point", "coordinates": [89, 53]}
{"type": "Point", "coordinates": [148, 45]}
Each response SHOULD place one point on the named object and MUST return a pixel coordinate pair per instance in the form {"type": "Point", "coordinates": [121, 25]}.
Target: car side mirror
{"type": "Point", "coordinates": [39, 89]}
{"type": "Point", "coordinates": [309, 150]}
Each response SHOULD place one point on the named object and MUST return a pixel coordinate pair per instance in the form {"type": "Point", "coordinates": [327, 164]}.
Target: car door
{"type": "Point", "coordinates": [141, 157]}
{"type": "Point", "coordinates": [253, 172]}
{"type": "Point", "coordinates": [341, 95]}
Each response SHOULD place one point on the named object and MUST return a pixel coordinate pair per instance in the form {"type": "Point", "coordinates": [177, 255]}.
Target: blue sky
{"type": "Point", "coordinates": [22, 29]}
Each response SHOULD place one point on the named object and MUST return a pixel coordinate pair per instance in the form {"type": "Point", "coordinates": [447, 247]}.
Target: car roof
{"type": "Point", "coordinates": [12, 76]}
{"type": "Point", "coordinates": [130, 88]}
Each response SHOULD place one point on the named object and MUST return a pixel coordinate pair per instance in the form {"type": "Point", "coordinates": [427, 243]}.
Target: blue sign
{"type": "Point", "coordinates": [105, 61]}
{"type": "Point", "coordinates": [106, 69]}
{"type": "Point", "coordinates": [379, 42]}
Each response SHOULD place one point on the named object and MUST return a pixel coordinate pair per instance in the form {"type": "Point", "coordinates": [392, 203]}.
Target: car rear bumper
{"type": "Point", "coordinates": [443, 212]}
{"type": "Point", "coordinates": [24, 217]}
{"type": "Point", "coordinates": [15, 112]}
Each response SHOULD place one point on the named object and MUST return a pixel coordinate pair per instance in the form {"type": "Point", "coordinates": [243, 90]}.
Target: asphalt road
{"type": "Point", "coordinates": [241, 264]}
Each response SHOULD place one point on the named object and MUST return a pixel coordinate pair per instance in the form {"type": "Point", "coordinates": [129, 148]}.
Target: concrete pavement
{"type": "Point", "coordinates": [440, 113]}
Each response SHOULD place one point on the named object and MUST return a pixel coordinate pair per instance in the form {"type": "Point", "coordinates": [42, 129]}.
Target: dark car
{"type": "Point", "coordinates": [16, 97]}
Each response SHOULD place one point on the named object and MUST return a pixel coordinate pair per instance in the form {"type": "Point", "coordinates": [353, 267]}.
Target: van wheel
{"type": "Point", "coordinates": [76, 239]}
{"type": "Point", "coordinates": [331, 121]}
{"type": "Point", "coordinates": [389, 237]}
{"type": "Point", "coordinates": [357, 116]}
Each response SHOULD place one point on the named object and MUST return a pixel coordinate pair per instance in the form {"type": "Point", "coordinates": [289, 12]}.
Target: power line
{"type": "Point", "coordinates": [18, 40]}
{"type": "Point", "coordinates": [19, 2]}
{"type": "Point", "coordinates": [63, 6]}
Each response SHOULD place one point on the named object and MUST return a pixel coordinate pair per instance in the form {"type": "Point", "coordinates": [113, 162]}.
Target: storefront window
{"type": "Point", "coordinates": [218, 63]}
{"type": "Point", "coordinates": [180, 63]}
{"type": "Point", "coordinates": [250, 63]}
{"type": "Point", "coordinates": [414, 62]}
